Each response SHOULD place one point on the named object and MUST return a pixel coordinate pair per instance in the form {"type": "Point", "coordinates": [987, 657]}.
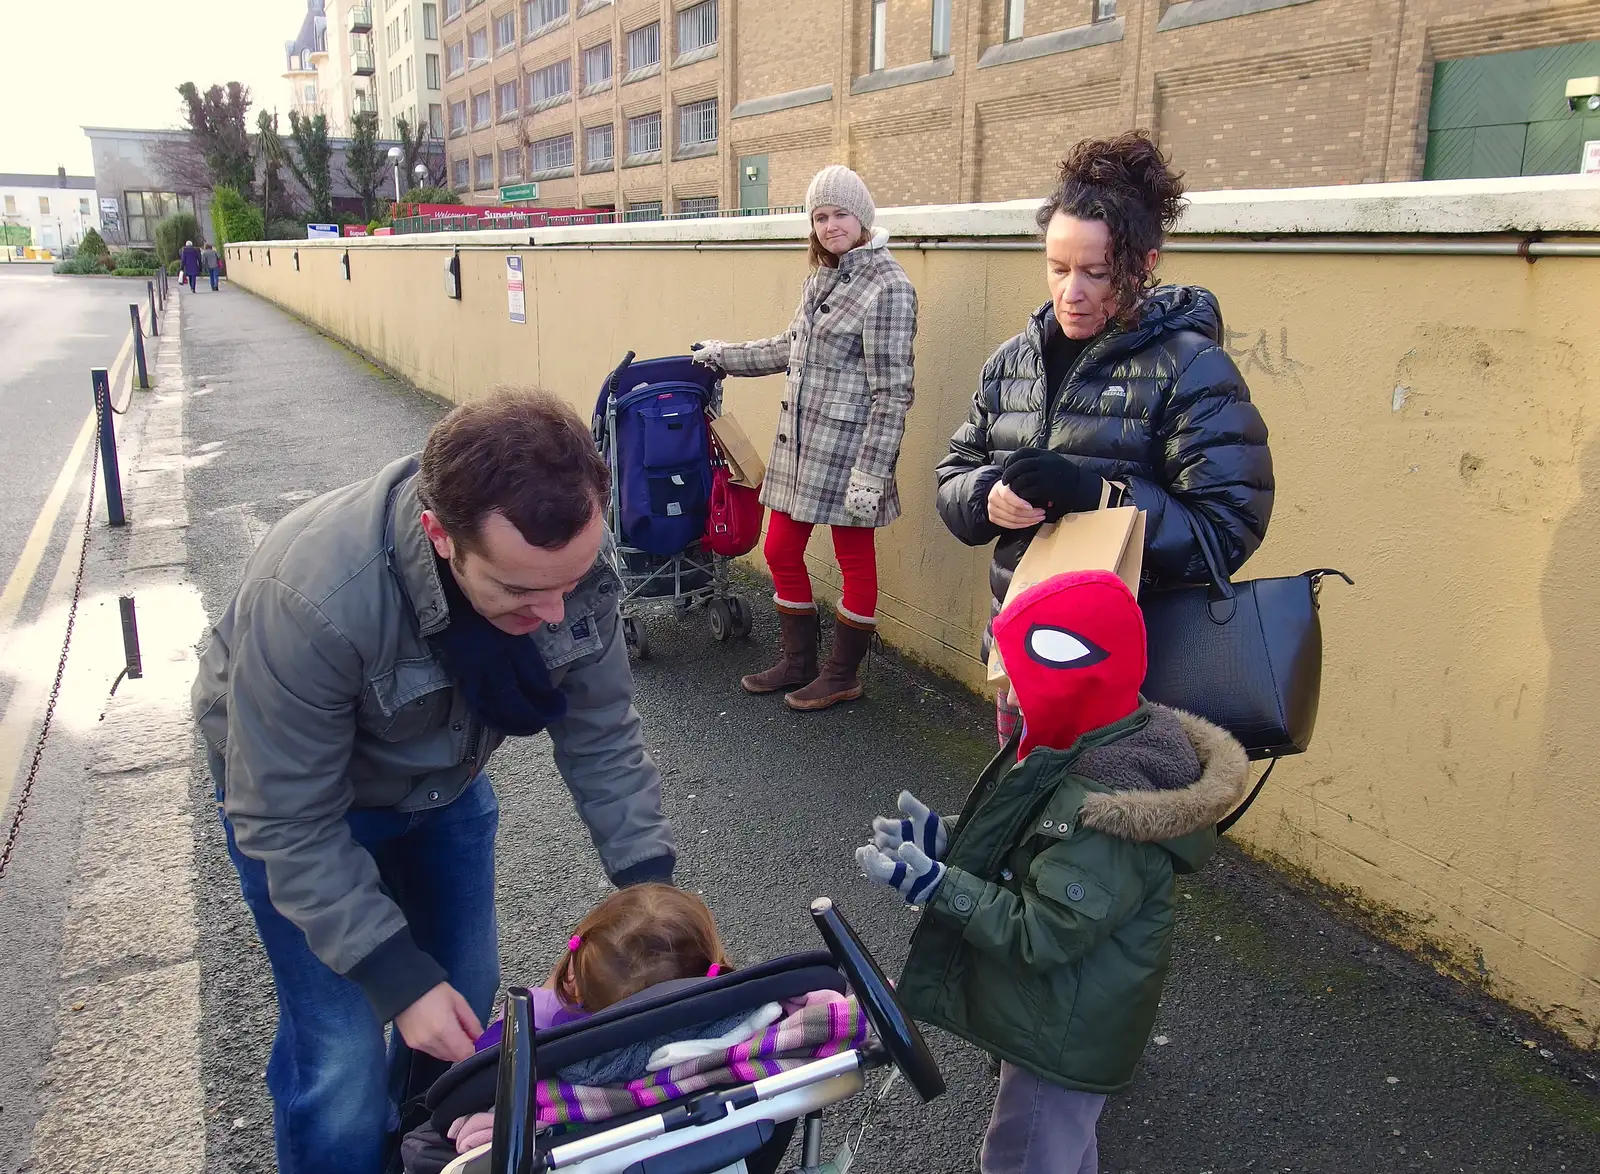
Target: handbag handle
{"type": "Point", "coordinates": [1222, 605]}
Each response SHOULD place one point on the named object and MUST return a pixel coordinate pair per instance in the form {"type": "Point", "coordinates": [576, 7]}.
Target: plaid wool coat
{"type": "Point", "coordinates": [848, 354]}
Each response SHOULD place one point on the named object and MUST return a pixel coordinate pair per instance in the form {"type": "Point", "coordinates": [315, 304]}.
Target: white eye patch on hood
{"type": "Point", "coordinates": [1063, 649]}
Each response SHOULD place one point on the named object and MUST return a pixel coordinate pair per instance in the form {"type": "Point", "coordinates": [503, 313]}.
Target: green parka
{"type": "Point", "coordinates": [1048, 941]}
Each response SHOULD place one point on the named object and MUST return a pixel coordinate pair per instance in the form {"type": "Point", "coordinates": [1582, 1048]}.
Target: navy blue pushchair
{"type": "Point", "coordinates": [651, 423]}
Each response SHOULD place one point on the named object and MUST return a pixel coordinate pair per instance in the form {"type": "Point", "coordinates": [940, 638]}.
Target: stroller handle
{"type": "Point", "coordinates": [900, 1036]}
{"type": "Point", "coordinates": [513, 1149]}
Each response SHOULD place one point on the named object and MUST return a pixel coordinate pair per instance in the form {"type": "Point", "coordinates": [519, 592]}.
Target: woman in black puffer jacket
{"type": "Point", "coordinates": [1114, 379]}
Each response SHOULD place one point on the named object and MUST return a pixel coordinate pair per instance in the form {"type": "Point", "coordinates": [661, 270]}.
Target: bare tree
{"type": "Point", "coordinates": [219, 127]}
{"type": "Point", "coordinates": [419, 146]}
{"type": "Point", "coordinates": [363, 161]}
{"type": "Point", "coordinates": [181, 165]}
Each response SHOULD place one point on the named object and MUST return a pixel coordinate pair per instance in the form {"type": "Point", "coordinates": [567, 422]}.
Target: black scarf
{"type": "Point", "coordinates": [502, 677]}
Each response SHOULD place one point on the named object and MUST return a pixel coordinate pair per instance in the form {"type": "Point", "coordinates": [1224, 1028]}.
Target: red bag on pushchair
{"type": "Point", "coordinates": [733, 519]}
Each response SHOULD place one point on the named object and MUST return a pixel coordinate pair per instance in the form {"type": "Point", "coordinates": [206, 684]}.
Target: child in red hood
{"type": "Point", "coordinates": [1047, 924]}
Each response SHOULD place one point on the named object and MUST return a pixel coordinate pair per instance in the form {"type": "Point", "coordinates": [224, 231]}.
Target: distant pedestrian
{"type": "Point", "coordinates": [848, 354]}
{"type": "Point", "coordinates": [190, 258]}
{"type": "Point", "coordinates": [210, 263]}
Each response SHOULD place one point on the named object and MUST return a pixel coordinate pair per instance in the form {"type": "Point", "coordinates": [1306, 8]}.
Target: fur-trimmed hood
{"type": "Point", "coordinates": [1169, 814]}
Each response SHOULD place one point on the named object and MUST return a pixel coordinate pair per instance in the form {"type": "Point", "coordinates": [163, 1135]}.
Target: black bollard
{"type": "Point", "coordinates": [155, 327]}
{"type": "Point", "coordinates": [130, 638]}
{"type": "Point", "coordinates": [138, 348]}
{"type": "Point", "coordinates": [100, 378]}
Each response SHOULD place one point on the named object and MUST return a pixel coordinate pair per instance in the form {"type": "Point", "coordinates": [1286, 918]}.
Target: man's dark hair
{"type": "Point", "coordinates": [1127, 183]}
{"type": "Point", "coordinates": [524, 454]}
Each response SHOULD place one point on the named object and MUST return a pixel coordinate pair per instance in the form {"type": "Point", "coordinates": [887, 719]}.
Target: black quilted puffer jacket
{"type": "Point", "coordinates": [1160, 407]}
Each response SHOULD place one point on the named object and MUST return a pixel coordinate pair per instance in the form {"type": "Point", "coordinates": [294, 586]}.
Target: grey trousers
{"type": "Point", "coordinates": [1041, 1128]}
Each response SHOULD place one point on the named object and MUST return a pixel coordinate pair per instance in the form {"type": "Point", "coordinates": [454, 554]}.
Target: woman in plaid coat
{"type": "Point", "coordinates": [848, 354]}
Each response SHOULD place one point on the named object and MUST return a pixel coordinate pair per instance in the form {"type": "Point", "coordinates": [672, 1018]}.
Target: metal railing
{"type": "Point", "coordinates": [474, 221]}
{"type": "Point", "coordinates": [361, 19]}
{"type": "Point", "coordinates": [361, 64]}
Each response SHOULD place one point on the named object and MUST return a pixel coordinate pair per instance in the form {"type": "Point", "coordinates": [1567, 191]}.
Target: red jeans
{"type": "Point", "coordinates": [853, 545]}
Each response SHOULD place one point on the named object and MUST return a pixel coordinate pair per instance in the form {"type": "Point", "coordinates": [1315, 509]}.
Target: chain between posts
{"type": "Point", "coordinates": [26, 792]}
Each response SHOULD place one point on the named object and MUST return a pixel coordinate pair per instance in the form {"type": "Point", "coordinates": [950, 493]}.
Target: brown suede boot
{"type": "Point", "coordinates": [838, 680]}
{"type": "Point", "coordinates": [797, 659]}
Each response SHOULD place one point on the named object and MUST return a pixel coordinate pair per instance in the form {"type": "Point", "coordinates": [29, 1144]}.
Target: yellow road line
{"type": "Point", "coordinates": [44, 525]}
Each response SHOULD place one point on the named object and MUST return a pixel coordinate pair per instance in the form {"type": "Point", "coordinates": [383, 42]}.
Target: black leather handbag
{"type": "Point", "coordinates": [1246, 656]}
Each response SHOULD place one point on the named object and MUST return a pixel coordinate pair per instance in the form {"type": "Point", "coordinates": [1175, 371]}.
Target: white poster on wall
{"type": "Point", "coordinates": [1591, 157]}
{"type": "Point", "coordinates": [110, 214]}
{"type": "Point", "coordinates": [514, 292]}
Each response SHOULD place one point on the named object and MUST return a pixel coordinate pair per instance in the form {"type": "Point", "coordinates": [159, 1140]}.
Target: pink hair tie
{"type": "Point", "coordinates": [715, 970]}
{"type": "Point", "coordinates": [573, 943]}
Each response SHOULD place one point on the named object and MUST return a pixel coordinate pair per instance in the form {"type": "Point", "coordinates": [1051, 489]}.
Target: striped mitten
{"type": "Point", "coordinates": [907, 870]}
{"type": "Point", "coordinates": [919, 826]}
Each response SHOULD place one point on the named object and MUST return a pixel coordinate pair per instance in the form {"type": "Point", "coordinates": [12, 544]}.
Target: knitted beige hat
{"type": "Point", "coordinates": [839, 186]}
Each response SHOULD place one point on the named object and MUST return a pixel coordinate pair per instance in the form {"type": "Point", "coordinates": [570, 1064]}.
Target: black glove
{"type": "Point", "coordinates": [1048, 481]}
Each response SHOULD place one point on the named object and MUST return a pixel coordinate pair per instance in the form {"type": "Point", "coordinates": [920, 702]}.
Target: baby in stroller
{"type": "Point", "coordinates": [643, 1013]}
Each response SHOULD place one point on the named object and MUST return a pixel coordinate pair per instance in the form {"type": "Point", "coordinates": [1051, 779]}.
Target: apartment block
{"type": "Point", "coordinates": [654, 106]}
{"type": "Point", "coordinates": [383, 56]}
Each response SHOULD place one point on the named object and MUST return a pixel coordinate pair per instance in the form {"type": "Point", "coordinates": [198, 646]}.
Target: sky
{"type": "Point", "coordinates": [116, 63]}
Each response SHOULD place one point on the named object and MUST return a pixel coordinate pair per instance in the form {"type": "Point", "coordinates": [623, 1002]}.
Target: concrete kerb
{"type": "Point", "coordinates": [123, 1085]}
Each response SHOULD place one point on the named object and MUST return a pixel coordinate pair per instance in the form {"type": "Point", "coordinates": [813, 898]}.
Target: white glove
{"type": "Point", "coordinates": [920, 826]}
{"type": "Point", "coordinates": [908, 870]}
{"type": "Point", "coordinates": [708, 353]}
{"type": "Point", "coordinates": [862, 498]}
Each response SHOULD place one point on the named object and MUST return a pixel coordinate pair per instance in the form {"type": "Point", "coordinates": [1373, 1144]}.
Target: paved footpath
{"type": "Point", "coordinates": [1288, 1041]}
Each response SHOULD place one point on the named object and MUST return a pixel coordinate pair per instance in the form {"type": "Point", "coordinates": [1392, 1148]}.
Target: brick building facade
{"type": "Point", "coordinates": [718, 103]}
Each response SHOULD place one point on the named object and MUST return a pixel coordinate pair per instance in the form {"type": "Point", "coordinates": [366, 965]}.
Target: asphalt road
{"type": "Point", "coordinates": [1292, 1041]}
{"type": "Point", "coordinates": [53, 329]}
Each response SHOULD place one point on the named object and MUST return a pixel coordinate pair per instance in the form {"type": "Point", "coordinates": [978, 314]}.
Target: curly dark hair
{"type": "Point", "coordinates": [1127, 183]}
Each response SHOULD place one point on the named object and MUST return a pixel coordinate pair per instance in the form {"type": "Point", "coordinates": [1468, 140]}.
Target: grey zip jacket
{"type": "Point", "coordinates": [321, 693]}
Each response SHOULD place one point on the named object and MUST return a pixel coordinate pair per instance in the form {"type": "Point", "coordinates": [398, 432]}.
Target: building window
{"type": "Point", "coordinates": [482, 109]}
{"type": "Point", "coordinates": [1105, 10]}
{"type": "Point", "coordinates": [597, 65]}
{"type": "Point", "coordinates": [550, 155]}
{"type": "Point", "coordinates": [146, 210]}
{"type": "Point", "coordinates": [44, 205]}
{"type": "Point", "coordinates": [430, 22]}
{"type": "Point", "coordinates": [649, 210]}
{"type": "Point", "coordinates": [644, 134]}
{"type": "Point", "coordinates": [83, 205]}
{"type": "Point", "coordinates": [505, 32]}
{"type": "Point", "coordinates": [941, 28]}
{"type": "Point", "coordinates": [452, 9]}
{"type": "Point", "coordinates": [477, 47]}
{"type": "Point", "coordinates": [485, 168]}
{"type": "Point", "coordinates": [644, 47]}
{"type": "Point", "coordinates": [599, 147]}
{"type": "Point", "coordinates": [510, 163]}
{"type": "Point", "coordinates": [430, 69]}
{"type": "Point", "coordinates": [538, 15]}
{"type": "Point", "coordinates": [411, 75]}
{"type": "Point", "coordinates": [458, 118]}
{"type": "Point", "coordinates": [697, 124]}
{"type": "Point", "coordinates": [697, 27]}
{"type": "Point", "coordinates": [405, 30]}
{"type": "Point", "coordinates": [698, 206]}
{"type": "Point", "coordinates": [1013, 20]}
{"type": "Point", "coordinates": [11, 205]}
{"type": "Point", "coordinates": [311, 95]}
{"type": "Point", "coordinates": [551, 82]}
{"type": "Point", "coordinates": [459, 173]}
{"type": "Point", "coordinates": [456, 55]}
{"type": "Point", "coordinates": [880, 33]}
{"type": "Point", "coordinates": [506, 93]}
{"type": "Point", "coordinates": [436, 120]}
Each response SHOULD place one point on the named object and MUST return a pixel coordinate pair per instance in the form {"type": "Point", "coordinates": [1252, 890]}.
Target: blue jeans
{"type": "Point", "coordinates": [214, 272]}
{"type": "Point", "coordinates": [336, 1086]}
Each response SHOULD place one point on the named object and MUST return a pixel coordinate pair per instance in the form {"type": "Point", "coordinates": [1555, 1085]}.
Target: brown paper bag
{"type": "Point", "coordinates": [1106, 539]}
{"type": "Point", "coordinates": [744, 462]}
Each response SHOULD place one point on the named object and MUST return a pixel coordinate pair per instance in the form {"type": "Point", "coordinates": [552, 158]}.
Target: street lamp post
{"type": "Point", "coordinates": [394, 159]}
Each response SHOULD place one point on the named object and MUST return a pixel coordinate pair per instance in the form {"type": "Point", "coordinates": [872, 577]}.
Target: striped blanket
{"type": "Point", "coordinates": [813, 1033]}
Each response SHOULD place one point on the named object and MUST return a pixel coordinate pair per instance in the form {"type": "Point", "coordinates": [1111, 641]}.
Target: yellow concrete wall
{"type": "Point", "coordinates": [1436, 430]}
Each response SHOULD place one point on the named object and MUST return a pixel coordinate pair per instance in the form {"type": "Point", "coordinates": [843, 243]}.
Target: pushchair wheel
{"type": "Point", "coordinates": [634, 635]}
{"type": "Point", "coordinates": [742, 620]}
{"type": "Point", "coordinates": [721, 617]}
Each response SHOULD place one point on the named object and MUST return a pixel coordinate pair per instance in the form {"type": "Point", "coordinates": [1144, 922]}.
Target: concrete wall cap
{"type": "Point", "coordinates": [1549, 203]}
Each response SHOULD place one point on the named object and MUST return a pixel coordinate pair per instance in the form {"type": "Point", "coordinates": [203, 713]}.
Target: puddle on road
{"type": "Point", "coordinates": [171, 620]}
